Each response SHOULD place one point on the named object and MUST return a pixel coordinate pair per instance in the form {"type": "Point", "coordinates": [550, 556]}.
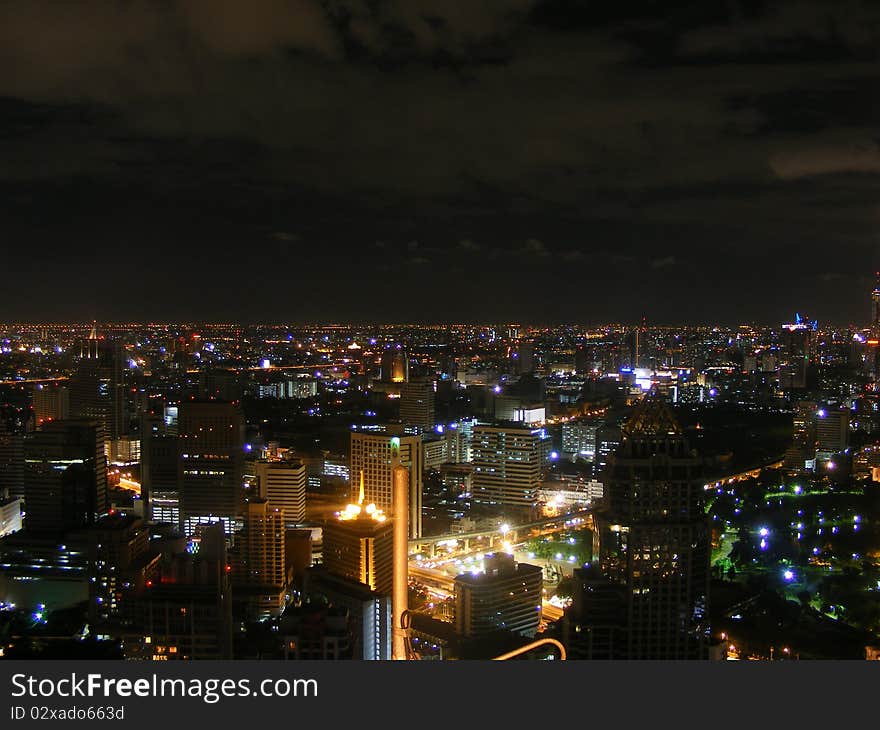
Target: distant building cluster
{"type": "Point", "coordinates": [218, 491]}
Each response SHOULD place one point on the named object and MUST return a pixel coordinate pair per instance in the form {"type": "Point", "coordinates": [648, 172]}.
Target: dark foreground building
{"type": "Point", "coordinates": [648, 596]}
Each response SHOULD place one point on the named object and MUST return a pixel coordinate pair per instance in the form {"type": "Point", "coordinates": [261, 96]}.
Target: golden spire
{"type": "Point", "coordinates": [361, 496]}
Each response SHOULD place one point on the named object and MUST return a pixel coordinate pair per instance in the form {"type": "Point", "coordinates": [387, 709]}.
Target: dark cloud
{"type": "Point", "coordinates": [364, 136]}
{"type": "Point", "coordinates": [847, 153]}
{"type": "Point", "coordinates": [663, 263]}
{"type": "Point", "coordinates": [534, 247]}
{"type": "Point", "coordinates": [284, 236]}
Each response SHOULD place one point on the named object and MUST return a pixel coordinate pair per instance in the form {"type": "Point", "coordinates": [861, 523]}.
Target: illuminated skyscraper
{"type": "Point", "coordinates": [832, 431]}
{"type": "Point", "coordinates": [633, 345]}
{"type": "Point", "coordinates": [97, 388]}
{"type": "Point", "coordinates": [797, 343]}
{"type": "Point", "coordinates": [258, 560]}
{"type": "Point", "coordinates": [360, 545]}
{"type": "Point", "coordinates": [394, 365]}
{"type": "Point", "coordinates": [51, 402]}
{"type": "Point", "coordinates": [875, 308]}
{"type": "Point", "coordinates": [65, 475]}
{"type": "Point", "coordinates": [417, 405]}
{"type": "Point", "coordinates": [648, 596]}
{"type": "Point", "coordinates": [371, 455]}
{"type": "Point", "coordinates": [509, 464]}
{"type": "Point", "coordinates": [210, 463]}
{"type": "Point", "coordinates": [283, 484]}
{"type": "Point", "coordinates": [159, 456]}
{"type": "Point", "coordinates": [802, 452]}
{"type": "Point", "coordinates": [872, 345]}
{"type": "Point", "coordinates": [260, 545]}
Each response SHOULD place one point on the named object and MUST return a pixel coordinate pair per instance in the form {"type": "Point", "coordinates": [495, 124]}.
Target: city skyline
{"type": "Point", "coordinates": [433, 330]}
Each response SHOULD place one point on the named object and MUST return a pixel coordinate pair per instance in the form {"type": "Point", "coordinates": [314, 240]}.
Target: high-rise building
{"type": "Point", "coordinates": [65, 479]}
{"type": "Point", "coordinates": [875, 308]}
{"type": "Point", "coordinates": [159, 457]}
{"type": "Point", "coordinates": [579, 440]}
{"type": "Point", "coordinates": [97, 389]}
{"type": "Point", "coordinates": [371, 456]}
{"type": "Point", "coordinates": [223, 385]}
{"type": "Point", "coordinates": [802, 452]}
{"type": "Point", "coordinates": [871, 345]}
{"type": "Point", "coordinates": [583, 362]}
{"type": "Point", "coordinates": [283, 484]}
{"type": "Point", "coordinates": [360, 545]}
{"type": "Point", "coordinates": [507, 596]}
{"type": "Point", "coordinates": [11, 458]}
{"type": "Point", "coordinates": [259, 575]}
{"type": "Point", "coordinates": [187, 614]}
{"type": "Point", "coordinates": [797, 352]}
{"type": "Point", "coordinates": [648, 596]}
{"type": "Point", "coordinates": [120, 564]}
{"type": "Point", "coordinates": [436, 450]}
{"type": "Point", "coordinates": [368, 626]}
{"type": "Point", "coordinates": [509, 464]}
{"type": "Point", "coordinates": [523, 357]}
{"type": "Point", "coordinates": [51, 402]}
{"type": "Point", "coordinates": [260, 545]}
{"type": "Point", "coordinates": [832, 430]}
{"type": "Point", "coordinates": [634, 347]}
{"type": "Point", "coordinates": [461, 436]}
{"type": "Point", "coordinates": [394, 365]}
{"type": "Point", "coordinates": [417, 399]}
{"type": "Point", "coordinates": [210, 463]}
{"type": "Point", "coordinates": [608, 436]}
{"type": "Point", "coordinates": [318, 631]}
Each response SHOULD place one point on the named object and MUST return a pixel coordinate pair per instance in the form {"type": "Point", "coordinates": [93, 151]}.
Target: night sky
{"type": "Point", "coordinates": [407, 160]}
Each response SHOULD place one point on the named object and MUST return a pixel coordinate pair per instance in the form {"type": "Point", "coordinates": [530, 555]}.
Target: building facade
{"type": "Point", "coordinates": [371, 456]}
{"type": "Point", "coordinates": [210, 467]}
{"type": "Point", "coordinates": [509, 464]}
{"type": "Point", "coordinates": [507, 597]}
{"type": "Point", "coordinates": [648, 596]}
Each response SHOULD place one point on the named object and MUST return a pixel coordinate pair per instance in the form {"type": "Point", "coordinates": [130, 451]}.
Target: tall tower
{"type": "Point", "coordinates": [648, 597]}
{"type": "Point", "coordinates": [873, 350]}
{"type": "Point", "coordinates": [400, 646]}
{"type": "Point", "coordinates": [97, 388]}
{"type": "Point", "coordinates": [875, 308]}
